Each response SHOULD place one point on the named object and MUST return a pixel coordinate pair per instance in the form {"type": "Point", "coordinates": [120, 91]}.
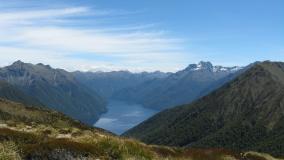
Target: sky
{"type": "Point", "coordinates": [135, 35]}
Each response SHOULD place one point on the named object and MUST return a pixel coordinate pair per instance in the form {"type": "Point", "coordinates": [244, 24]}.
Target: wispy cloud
{"type": "Point", "coordinates": [40, 14]}
{"type": "Point", "coordinates": [55, 35]}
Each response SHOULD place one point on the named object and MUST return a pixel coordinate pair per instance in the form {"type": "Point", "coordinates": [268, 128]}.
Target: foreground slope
{"type": "Point", "coordinates": [56, 89]}
{"type": "Point", "coordinates": [178, 88]}
{"type": "Point", "coordinates": [245, 114]}
{"type": "Point", "coordinates": [36, 133]}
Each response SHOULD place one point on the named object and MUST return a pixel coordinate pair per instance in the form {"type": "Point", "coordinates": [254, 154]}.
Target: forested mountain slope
{"type": "Point", "coordinates": [245, 114]}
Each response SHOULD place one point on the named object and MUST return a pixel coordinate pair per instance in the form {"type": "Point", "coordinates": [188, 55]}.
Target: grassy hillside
{"type": "Point", "coordinates": [34, 133]}
{"type": "Point", "coordinates": [245, 114]}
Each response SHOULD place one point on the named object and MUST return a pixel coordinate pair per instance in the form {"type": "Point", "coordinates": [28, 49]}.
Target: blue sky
{"type": "Point", "coordinates": [140, 35]}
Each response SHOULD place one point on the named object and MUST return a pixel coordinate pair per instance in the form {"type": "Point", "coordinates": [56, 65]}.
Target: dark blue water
{"type": "Point", "coordinates": [122, 116]}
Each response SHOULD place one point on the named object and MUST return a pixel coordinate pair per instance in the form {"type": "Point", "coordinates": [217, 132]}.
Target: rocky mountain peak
{"type": "Point", "coordinates": [18, 68]}
{"type": "Point", "coordinates": [45, 66]}
{"type": "Point", "coordinates": [202, 65]}
{"type": "Point", "coordinates": [205, 65]}
{"type": "Point", "coordinates": [18, 64]}
{"type": "Point", "coordinates": [208, 66]}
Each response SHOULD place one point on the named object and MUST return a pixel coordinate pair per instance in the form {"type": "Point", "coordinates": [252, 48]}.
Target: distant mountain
{"type": "Point", "coordinates": [29, 133]}
{"type": "Point", "coordinates": [7, 91]}
{"type": "Point", "coordinates": [179, 88]}
{"type": "Point", "coordinates": [108, 83]}
{"type": "Point", "coordinates": [245, 114]}
{"type": "Point", "coordinates": [56, 89]}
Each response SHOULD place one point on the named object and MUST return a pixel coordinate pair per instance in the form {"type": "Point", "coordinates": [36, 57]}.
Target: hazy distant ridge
{"type": "Point", "coordinates": [179, 88]}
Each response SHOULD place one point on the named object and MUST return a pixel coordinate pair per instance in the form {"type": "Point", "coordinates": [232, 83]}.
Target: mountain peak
{"type": "Point", "coordinates": [205, 65]}
{"type": "Point", "coordinates": [208, 66]}
{"type": "Point", "coordinates": [19, 62]}
{"type": "Point", "coordinates": [43, 65]}
{"type": "Point", "coordinates": [202, 65]}
{"type": "Point", "coordinates": [19, 65]}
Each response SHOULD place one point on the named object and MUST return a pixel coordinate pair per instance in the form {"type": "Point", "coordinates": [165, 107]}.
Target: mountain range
{"type": "Point", "coordinates": [245, 114]}
{"type": "Point", "coordinates": [179, 88]}
{"type": "Point", "coordinates": [84, 95]}
{"type": "Point", "coordinates": [239, 110]}
{"type": "Point", "coordinates": [108, 83]}
{"type": "Point", "coordinates": [158, 90]}
{"type": "Point", "coordinates": [57, 89]}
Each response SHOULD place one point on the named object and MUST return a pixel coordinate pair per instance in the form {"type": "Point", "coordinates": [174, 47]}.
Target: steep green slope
{"type": "Point", "coordinates": [245, 114]}
{"type": "Point", "coordinates": [56, 89]}
{"type": "Point", "coordinates": [35, 133]}
{"type": "Point", "coordinates": [10, 92]}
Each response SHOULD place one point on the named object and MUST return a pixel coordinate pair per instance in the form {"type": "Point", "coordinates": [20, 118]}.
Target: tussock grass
{"type": "Point", "coordinates": [29, 133]}
{"type": "Point", "coordinates": [259, 156]}
{"type": "Point", "coordinates": [105, 147]}
{"type": "Point", "coordinates": [9, 151]}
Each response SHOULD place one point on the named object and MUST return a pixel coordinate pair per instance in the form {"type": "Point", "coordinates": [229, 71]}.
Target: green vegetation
{"type": "Point", "coordinates": [245, 114]}
{"type": "Point", "coordinates": [10, 92]}
{"type": "Point", "coordinates": [36, 133]}
{"type": "Point", "coordinates": [9, 151]}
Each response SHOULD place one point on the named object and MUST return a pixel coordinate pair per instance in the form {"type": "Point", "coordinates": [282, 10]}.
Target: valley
{"type": "Point", "coordinates": [32, 129]}
{"type": "Point", "coordinates": [141, 80]}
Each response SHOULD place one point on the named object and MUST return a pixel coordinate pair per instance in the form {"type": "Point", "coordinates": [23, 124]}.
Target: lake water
{"type": "Point", "coordinates": [122, 116]}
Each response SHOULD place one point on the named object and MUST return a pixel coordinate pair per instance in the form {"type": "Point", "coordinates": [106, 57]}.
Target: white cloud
{"type": "Point", "coordinates": [10, 54]}
{"type": "Point", "coordinates": [96, 42]}
{"type": "Point", "coordinates": [49, 36]}
{"type": "Point", "coordinates": [39, 14]}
